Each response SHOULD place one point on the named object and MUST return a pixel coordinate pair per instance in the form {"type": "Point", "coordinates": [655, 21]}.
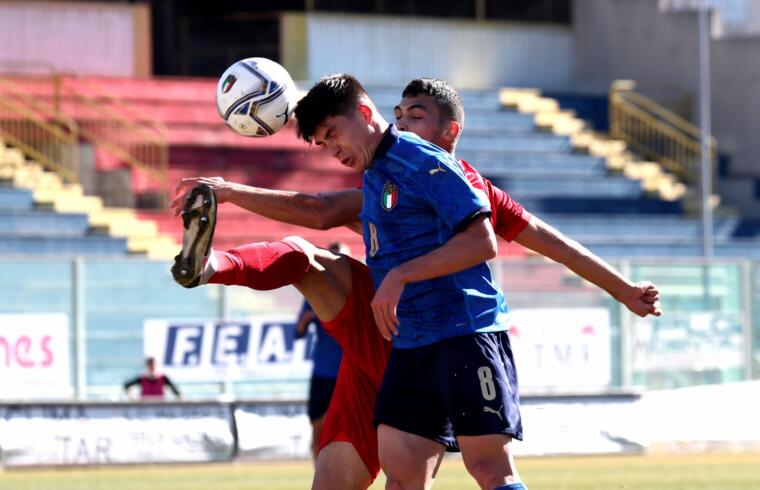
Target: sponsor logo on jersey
{"type": "Point", "coordinates": [228, 83]}
{"type": "Point", "coordinates": [390, 195]}
{"type": "Point", "coordinates": [436, 170]}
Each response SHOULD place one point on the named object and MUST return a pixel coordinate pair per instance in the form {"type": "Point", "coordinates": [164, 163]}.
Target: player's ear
{"type": "Point", "coordinates": [365, 111]}
{"type": "Point", "coordinates": [451, 131]}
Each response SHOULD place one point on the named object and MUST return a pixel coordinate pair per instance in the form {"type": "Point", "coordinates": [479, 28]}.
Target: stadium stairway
{"type": "Point", "coordinates": [40, 214]}
{"type": "Point", "coordinates": [586, 185]}
{"type": "Point", "coordinates": [590, 187]}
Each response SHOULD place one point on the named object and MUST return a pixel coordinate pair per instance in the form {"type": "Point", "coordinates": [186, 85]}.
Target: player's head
{"type": "Point", "coordinates": [150, 364]}
{"type": "Point", "coordinates": [338, 115]}
{"type": "Point", "coordinates": [432, 109]}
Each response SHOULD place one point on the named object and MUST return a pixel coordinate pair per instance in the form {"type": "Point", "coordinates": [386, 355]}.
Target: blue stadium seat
{"type": "Point", "coordinates": [13, 198]}
{"type": "Point", "coordinates": [531, 187]}
{"type": "Point", "coordinates": [511, 143]}
{"type": "Point", "coordinates": [634, 228]}
{"type": "Point", "coordinates": [13, 243]}
{"type": "Point", "coordinates": [601, 205]}
{"type": "Point", "coordinates": [674, 248]}
{"type": "Point", "coordinates": [498, 164]}
{"type": "Point", "coordinates": [43, 223]}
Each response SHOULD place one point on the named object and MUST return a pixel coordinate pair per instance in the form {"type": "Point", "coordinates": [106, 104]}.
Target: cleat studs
{"type": "Point", "coordinates": [207, 203]}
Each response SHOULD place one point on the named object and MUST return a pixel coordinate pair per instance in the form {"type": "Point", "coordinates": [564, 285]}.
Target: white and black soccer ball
{"type": "Point", "coordinates": [256, 97]}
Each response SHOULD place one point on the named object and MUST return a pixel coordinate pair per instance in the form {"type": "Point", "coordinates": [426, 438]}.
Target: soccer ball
{"type": "Point", "coordinates": [256, 97]}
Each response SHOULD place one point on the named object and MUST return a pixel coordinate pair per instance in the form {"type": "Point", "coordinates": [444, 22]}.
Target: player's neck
{"type": "Point", "coordinates": [381, 126]}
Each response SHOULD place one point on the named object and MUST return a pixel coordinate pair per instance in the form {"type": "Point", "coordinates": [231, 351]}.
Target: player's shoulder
{"type": "Point", "coordinates": [417, 155]}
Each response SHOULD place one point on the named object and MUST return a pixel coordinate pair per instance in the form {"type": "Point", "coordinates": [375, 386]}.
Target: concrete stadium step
{"type": "Point", "coordinates": [14, 198]}
{"type": "Point", "coordinates": [60, 245]}
{"type": "Point", "coordinates": [505, 165]}
{"type": "Point", "coordinates": [522, 143]}
{"type": "Point", "coordinates": [732, 249]}
{"type": "Point", "coordinates": [131, 88]}
{"type": "Point", "coordinates": [639, 227]}
{"type": "Point", "coordinates": [43, 222]}
{"type": "Point", "coordinates": [601, 205]}
{"type": "Point", "coordinates": [570, 186]}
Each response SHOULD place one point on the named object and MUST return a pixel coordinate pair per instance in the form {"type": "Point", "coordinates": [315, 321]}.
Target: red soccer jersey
{"type": "Point", "coordinates": [508, 217]}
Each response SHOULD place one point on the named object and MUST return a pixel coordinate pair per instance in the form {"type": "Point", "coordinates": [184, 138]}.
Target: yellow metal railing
{"type": "Point", "coordinates": [105, 121]}
{"type": "Point", "coordinates": [132, 136]}
{"type": "Point", "coordinates": [657, 133]}
{"type": "Point", "coordinates": [38, 131]}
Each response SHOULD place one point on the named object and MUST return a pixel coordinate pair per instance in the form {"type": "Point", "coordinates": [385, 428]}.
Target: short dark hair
{"type": "Point", "coordinates": [332, 95]}
{"type": "Point", "coordinates": [445, 96]}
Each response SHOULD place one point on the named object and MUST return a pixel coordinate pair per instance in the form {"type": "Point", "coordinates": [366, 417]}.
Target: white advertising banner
{"type": "Point", "coordinates": [563, 349]}
{"type": "Point", "coordinates": [271, 431]}
{"type": "Point", "coordinates": [264, 348]}
{"type": "Point", "coordinates": [688, 341]}
{"type": "Point", "coordinates": [577, 425]}
{"type": "Point", "coordinates": [64, 435]}
{"type": "Point", "coordinates": [34, 356]}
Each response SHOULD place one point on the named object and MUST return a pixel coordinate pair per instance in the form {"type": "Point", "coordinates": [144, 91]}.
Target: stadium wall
{"type": "Point", "coordinates": [384, 50]}
{"type": "Point", "coordinates": [93, 434]}
{"type": "Point", "coordinates": [618, 39]}
{"type": "Point", "coordinates": [75, 37]}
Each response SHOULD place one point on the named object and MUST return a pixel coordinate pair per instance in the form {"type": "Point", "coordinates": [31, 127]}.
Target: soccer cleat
{"type": "Point", "coordinates": [198, 220]}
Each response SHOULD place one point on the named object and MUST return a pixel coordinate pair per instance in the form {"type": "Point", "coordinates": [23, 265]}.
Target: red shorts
{"type": "Point", "coordinates": [351, 412]}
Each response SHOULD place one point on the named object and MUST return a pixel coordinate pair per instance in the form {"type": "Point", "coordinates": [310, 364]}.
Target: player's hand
{"type": "Point", "coordinates": [385, 302]}
{"type": "Point", "coordinates": [643, 299]}
{"type": "Point", "coordinates": [185, 186]}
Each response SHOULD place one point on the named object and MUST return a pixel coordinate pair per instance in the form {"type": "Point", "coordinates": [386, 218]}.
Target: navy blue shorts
{"type": "Point", "coordinates": [461, 386]}
{"type": "Point", "coordinates": [320, 392]}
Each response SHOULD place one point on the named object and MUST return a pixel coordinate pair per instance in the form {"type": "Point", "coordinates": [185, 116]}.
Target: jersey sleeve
{"type": "Point", "coordinates": [132, 382]}
{"type": "Point", "coordinates": [171, 385]}
{"type": "Point", "coordinates": [444, 187]}
{"type": "Point", "coordinates": [509, 217]}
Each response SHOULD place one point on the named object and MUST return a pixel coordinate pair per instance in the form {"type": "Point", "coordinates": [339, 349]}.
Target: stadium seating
{"type": "Point", "coordinates": [591, 187]}
{"type": "Point", "coordinates": [39, 214]}
{"type": "Point", "coordinates": [24, 230]}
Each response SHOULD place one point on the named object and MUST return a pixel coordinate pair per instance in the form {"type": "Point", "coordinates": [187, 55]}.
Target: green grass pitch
{"type": "Point", "coordinates": [654, 472]}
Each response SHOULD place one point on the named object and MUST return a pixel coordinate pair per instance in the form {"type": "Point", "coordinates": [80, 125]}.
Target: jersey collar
{"type": "Point", "coordinates": [390, 136]}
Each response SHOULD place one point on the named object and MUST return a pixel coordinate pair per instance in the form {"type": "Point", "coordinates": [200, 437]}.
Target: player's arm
{"type": "Point", "coordinates": [304, 319]}
{"type": "Point", "coordinates": [641, 298]}
{"type": "Point", "coordinates": [132, 382]}
{"type": "Point", "coordinates": [171, 386]}
{"type": "Point", "coordinates": [475, 244]}
{"type": "Point", "coordinates": [318, 211]}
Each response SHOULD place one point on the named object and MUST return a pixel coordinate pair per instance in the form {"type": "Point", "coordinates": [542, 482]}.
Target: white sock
{"type": "Point", "coordinates": [210, 267]}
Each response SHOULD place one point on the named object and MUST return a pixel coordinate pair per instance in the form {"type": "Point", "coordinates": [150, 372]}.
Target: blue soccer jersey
{"type": "Point", "coordinates": [416, 198]}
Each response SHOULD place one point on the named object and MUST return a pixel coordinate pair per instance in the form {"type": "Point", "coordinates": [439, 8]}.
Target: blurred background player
{"type": "Point", "coordinates": [151, 384]}
{"type": "Point", "coordinates": [326, 356]}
